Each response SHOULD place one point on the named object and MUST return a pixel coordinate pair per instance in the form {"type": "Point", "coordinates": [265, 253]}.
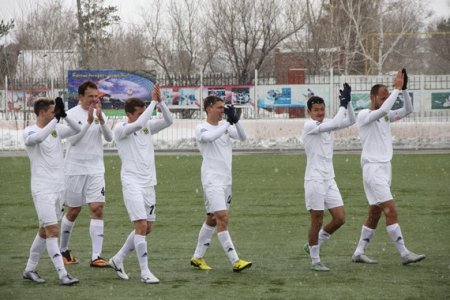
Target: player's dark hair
{"type": "Point", "coordinates": [42, 104]}
{"type": "Point", "coordinates": [132, 103]}
{"type": "Point", "coordinates": [210, 101]}
{"type": "Point", "coordinates": [85, 85]}
{"type": "Point", "coordinates": [375, 89]}
{"type": "Point", "coordinates": [314, 100]}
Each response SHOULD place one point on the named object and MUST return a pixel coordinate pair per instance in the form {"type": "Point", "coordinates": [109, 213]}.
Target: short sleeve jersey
{"type": "Point", "coordinates": [86, 156]}
{"type": "Point", "coordinates": [376, 138]}
{"type": "Point", "coordinates": [217, 157]}
{"type": "Point", "coordinates": [137, 154]}
{"type": "Point", "coordinates": [46, 159]}
{"type": "Point", "coordinates": [319, 152]}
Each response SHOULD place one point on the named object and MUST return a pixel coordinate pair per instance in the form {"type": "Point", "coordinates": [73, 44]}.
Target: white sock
{"type": "Point", "coordinates": [365, 238]}
{"type": "Point", "coordinates": [314, 254]}
{"type": "Point", "coordinates": [126, 249]}
{"type": "Point", "coordinates": [227, 245]}
{"type": "Point", "coordinates": [323, 236]}
{"type": "Point", "coordinates": [55, 256]}
{"type": "Point", "coordinates": [96, 232]}
{"type": "Point", "coordinates": [204, 240]}
{"type": "Point", "coordinates": [36, 250]}
{"type": "Point", "coordinates": [141, 252]}
{"type": "Point", "coordinates": [66, 232]}
{"type": "Point", "coordinates": [395, 233]}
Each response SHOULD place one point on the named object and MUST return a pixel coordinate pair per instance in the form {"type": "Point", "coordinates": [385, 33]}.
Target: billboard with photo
{"type": "Point", "coordinates": [290, 96]}
{"type": "Point", "coordinates": [440, 100]}
{"type": "Point", "coordinates": [191, 97]}
{"type": "Point", "coordinates": [17, 100]}
{"type": "Point", "coordinates": [114, 86]}
{"type": "Point", "coordinates": [361, 101]}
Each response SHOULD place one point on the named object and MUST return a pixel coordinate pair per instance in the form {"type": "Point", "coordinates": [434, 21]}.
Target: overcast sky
{"type": "Point", "coordinates": [130, 11]}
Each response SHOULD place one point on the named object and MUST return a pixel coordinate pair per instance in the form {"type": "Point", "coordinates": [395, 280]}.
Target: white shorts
{"type": "Point", "coordinates": [217, 198]}
{"type": "Point", "coordinates": [49, 207]}
{"type": "Point", "coordinates": [322, 194]}
{"type": "Point", "coordinates": [82, 189]}
{"type": "Point", "coordinates": [140, 202]}
{"type": "Point", "coordinates": [377, 182]}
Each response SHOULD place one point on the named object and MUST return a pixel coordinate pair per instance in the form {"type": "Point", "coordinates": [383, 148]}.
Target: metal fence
{"type": "Point", "coordinates": [429, 130]}
{"type": "Point", "coordinates": [362, 82]}
{"type": "Point", "coordinates": [425, 128]}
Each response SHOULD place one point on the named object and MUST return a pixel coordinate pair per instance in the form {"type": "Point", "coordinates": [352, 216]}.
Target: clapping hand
{"type": "Point", "coordinates": [405, 79]}
{"type": "Point", "coordinates": [345, 95]}
{"type": "Point", "coordinates": [232, 117]}
{"type": "Point", "coordinates": [60, 111]}
{"type": "Point", "coordinates": [156, 93]}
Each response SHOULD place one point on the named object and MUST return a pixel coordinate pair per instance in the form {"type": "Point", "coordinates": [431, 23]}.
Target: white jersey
{"type": "Point", "coordinates": [375, 130]}
{"type": "Point", "coordinates": [44, 148]}
{"type": "Point", "coordinates": [318, 141]}
{"type": "Point", "coordinates": [85, 152]}
{"type": "Point", "coordinates": [135, 146]}
{"type": "Point", "coordinates": [214, 143]}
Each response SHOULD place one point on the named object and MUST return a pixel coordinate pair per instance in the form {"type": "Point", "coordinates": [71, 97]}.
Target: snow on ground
{"type": "Point", "coordinates": [268, 134]}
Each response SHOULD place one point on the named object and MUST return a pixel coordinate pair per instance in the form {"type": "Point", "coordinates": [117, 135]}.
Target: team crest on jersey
{"type": "Point", "coordinates": [53, 133]}
{"type": "Point", "coordinates": [145, 130]}
{"type": "Point", "coordinates": [96, 121]}
{"type": "Point", "coordinates": [386, 118]}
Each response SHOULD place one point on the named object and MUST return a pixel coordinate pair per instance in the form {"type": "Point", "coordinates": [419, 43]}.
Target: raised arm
{"type": "Point", "coordinates": [350, 119]}
{"type": "Point", "coordinates": [66, 131]}
{"type": "Point", "coordinates": [330, 125]}
{"type": "Point", "coordinates": [106, 131]}
{"type": "Point", "coordinates": [140, 122]}
{"type": "Point", "coordinates": [386, 107]}
{"type": "Point", "coordinates": [206, 136]}
{"type": "Point", "coordinates": [167, 120]}
{"type": "Point", "coordinates": [76, 138]}
{"type": "Point", "coordinates": [395, 115]}
{"type": "Point", "coordinates": [237, 132]}
{"type": "Point", "coordinates": [33, 138]}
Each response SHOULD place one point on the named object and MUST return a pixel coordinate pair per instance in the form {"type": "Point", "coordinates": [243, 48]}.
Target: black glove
{"type": "Point", "coordinates": [345, 95]}
{"type": "Point", "coordinates": [60, 111]}
{"type": "Point", "coordinates": [232, 117]}
{"type": "Point", "coordinates": [405, 79]}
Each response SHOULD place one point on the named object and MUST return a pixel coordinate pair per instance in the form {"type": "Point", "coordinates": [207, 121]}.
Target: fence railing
{"type": "Point", "coordinates": [195, 79]}
{"type": "Point", "coordinates": [429, 130]}
{"type": "Point", "coordinates": [425, 88]}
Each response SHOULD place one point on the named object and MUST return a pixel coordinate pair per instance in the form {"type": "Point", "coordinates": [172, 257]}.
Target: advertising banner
{"type": "Point", "coordinates": [114, 86]}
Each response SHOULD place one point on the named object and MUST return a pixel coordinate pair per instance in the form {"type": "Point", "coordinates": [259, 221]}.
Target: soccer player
{"type": "Point", "coordinates": [321, 191]}
{"type": "Point", "coordinates": [85, 172]}
{"type": "Point", "coordinates": [44, 148]}
{"type": "Point", "coordinates": [214, 142]}
{"type": "Point", "coordinates": [376, 140]}
{"type": "Point", "coordinates": [138, 175]}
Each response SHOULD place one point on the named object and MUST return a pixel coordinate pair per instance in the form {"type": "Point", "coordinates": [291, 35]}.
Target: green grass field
{"type": "Point", "coordinates": [268, 225]}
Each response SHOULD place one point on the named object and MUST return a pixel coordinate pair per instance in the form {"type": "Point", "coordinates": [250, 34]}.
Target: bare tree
{"type": "Point", "coordinates": [94, 20]}
{"type": "Point", "coordinates": [248, 30]}
{"type": "Point", "coordinates": [6, 27]}
{"type": "Point", "coordinates": [48, 25]}
{"type": "Point", "coordinates": [179, 43]}
{"type": "Point", "coordinates": [379, 33]}
{"type": "Point", "coordinates": [315, 42]}
{"type": "Point", "coordinates": [125, 49]}
{"type": "Point", "coordinates": [8, 54]}
{"type": "Point", "coordinates": [44, 35]}
{"type": "Point", "coordinates": [439, 43]}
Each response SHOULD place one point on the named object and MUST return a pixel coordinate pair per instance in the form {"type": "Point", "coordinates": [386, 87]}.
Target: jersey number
{"type": "Point", "coordinates": [102, 191]}
{"type": "Point", "coordinates": [151, 209]}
